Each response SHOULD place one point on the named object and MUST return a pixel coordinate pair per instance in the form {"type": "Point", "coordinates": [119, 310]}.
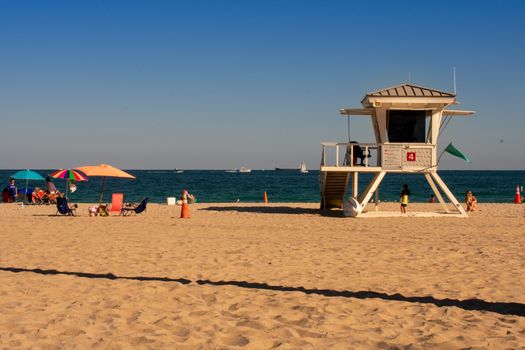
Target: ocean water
{"type": "Point", "coordinates": [212, 186]}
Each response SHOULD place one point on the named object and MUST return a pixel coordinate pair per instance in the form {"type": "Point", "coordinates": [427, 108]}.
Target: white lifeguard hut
{"type": "Point", "coordinates": [407, 121]}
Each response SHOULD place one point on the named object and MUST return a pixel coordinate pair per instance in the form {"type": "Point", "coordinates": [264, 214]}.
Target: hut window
{"type": "Point", "coordinates": [407, 126]}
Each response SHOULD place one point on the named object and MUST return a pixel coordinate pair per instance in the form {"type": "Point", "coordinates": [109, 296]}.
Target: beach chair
{"type": "Point", "coordinates": [64, 208]}
{"type": "Point", "coordinates": [40, 197]}
{"type": "Point", "coordinates": [102, 210]}
{"type": "Point", "coordinates": [133, 209]}
{"type": "Point", "coordinates": [51, 197]}
{"type": "Point", "coordinates": [117, 200]}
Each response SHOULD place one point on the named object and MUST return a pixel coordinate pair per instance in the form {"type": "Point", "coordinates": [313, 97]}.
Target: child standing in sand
{"type": "Point", "coordinates": [403, 198]}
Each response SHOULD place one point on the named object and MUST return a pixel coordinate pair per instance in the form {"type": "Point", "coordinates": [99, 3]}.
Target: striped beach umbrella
{"type": "Point", "coordinates": [71, 176]}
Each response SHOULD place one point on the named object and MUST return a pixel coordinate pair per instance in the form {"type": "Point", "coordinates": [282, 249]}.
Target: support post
{"type": "Point", "coordinates": [323, 195]}
{"type": "Point", "coordinates": [355, 184]}
{"type": "Point", "coordinates": [336, 155]}
{"type": "Point", "coordinates": [436, 192]}
{"type": "Point", "coordinates": [371, 188]}
{"type": "Point", "coordinates": [449, 194]}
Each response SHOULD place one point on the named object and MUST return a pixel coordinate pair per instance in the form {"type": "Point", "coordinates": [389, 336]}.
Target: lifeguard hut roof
{"type": "Point", "coordinates": [409, 90]}
{"type": "Point", "coordinates": [410, 96]}
{"type": "Point", "coordinates": [407, 96]}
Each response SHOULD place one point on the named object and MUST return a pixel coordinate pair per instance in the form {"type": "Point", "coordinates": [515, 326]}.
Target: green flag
{"type": "Point", "coordinates": [456, 152]}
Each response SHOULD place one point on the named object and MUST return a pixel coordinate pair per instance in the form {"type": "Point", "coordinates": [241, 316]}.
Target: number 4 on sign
{"type": "Point", "coordinates": [411, 156]}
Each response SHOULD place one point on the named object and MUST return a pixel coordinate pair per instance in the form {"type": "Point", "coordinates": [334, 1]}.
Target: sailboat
{"type": "Point", "coordinates": [302, 168]}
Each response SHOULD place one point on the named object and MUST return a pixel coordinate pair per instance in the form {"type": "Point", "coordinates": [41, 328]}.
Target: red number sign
{"type": "Point", "coordinates": [411, 156]}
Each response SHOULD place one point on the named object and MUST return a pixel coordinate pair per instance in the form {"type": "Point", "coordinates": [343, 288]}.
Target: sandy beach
{"type": "Point", "coordinates": [260, 276]}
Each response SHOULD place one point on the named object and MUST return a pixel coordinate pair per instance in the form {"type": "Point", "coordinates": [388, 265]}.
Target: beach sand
{"type": "Point", "coordinates": [258, 276]}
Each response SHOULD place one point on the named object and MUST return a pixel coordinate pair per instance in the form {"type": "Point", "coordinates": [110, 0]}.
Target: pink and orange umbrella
{"type": "Point", "coordinates": [104, 170]}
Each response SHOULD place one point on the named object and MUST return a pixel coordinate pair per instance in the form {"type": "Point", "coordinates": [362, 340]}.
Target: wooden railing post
{"type": "Point", "coordinates": [337, 155]}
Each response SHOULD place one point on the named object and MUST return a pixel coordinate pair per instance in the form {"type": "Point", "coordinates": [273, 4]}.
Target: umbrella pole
{"type": "Point", "coordinates": [67, 183]}
{"type": "Point", "coordinates": [25, 193]}
{"type": "Point", "coordinates": [102, 190]}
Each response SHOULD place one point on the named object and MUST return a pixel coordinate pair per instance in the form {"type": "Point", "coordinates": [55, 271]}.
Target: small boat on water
{"type": "Point", "coordinates": [302, 168]}
{"type": "Point", "coordinates": [245, 170]}
{"type": "Point", "coordinates": [241, 170]}
{"type": "Point", "coordinates": [178, 171]}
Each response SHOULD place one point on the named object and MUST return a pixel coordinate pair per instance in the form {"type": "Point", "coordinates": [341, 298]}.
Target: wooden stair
{"type": "Point", "coordinates": [333, 189]}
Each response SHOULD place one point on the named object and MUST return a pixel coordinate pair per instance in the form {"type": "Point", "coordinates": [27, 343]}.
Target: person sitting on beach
{"type": "Point", "coordinates": [471, 201]}
{"type": "Point", "coordinates": [39, 196]}
{"type": "Point", "coordinates": [432, 199]}
{"type": "Point", "coordinates": [64, 207]}
{"type": "Point", "coordinates": [51, 190]}
{"type": "Point", "coordinates": [93, 210]}
{"type": "Point", "coordinates": [98, 210]}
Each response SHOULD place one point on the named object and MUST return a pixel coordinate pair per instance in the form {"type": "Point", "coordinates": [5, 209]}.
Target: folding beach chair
{"type": "Point", "coordinates": [40, 197]}
{"type": "Point", "coordinates": [117, 200]}
{"type": "Point", "coordinates": [131, 209]}
{"type": "Point", "coordinates": [63, 207]}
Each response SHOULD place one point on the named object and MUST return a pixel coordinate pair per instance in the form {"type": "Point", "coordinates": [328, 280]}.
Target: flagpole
{"type": "Point", "coordinates": [441, 154]}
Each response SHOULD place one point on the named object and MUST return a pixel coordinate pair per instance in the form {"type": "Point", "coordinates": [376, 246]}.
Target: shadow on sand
{"type": "Point", "coordinates": [275, 210]}
{"type": "Point", "coordinates": [108, 276]}
{"type": "Point", "coordinates": [515, 309]}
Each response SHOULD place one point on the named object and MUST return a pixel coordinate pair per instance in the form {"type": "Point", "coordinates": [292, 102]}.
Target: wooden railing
{"type": "Point", "coordinates": [350, 154]}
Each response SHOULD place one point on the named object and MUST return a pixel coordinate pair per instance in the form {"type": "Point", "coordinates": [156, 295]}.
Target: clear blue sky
{"type": "Point", "coordinates": [224, 84]}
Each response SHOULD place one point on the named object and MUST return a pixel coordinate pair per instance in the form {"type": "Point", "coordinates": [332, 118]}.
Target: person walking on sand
{"type": "Point", "coordinates": [403, 198]}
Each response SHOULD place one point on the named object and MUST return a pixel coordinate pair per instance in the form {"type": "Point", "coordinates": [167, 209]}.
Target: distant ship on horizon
{"type": "Point", "coordinates": [241, 170]}
{"type": "Point", "coordinates": [302, 168]}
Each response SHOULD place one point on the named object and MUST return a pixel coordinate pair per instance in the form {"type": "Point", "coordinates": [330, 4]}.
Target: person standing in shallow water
{"type": "Point", "coordinates": [403, 198]}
